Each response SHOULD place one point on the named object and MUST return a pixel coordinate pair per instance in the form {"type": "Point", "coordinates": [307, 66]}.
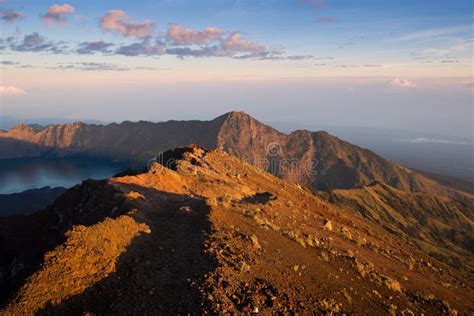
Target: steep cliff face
{"type": "Point", "coordinates": [214, 235]}
{"type": "Point", "coordinates": [317, 159]}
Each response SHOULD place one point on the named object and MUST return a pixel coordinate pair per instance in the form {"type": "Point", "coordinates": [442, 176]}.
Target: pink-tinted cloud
{"type": "Point", "coordinates": [180, 35]}
{"type": "Point", "coordinates": [11, 91]}
{"type": "Point", "coordinates": [235, 43]}
{"type": "Point", "coordinates": [57, 14]}
{"type": "Point", "coordinates": [11, 16]}
{"type": "Point", "coordinates": [119, 21]}
{"type": "Point", "coordinates": [400, 83]}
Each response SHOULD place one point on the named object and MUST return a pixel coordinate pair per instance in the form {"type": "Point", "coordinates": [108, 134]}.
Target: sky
{"type": "Point", "coordinates": [396, 64]}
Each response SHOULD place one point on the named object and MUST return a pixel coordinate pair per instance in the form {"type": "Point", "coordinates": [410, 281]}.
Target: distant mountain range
{"type": "Point", "coordinates": [437, 153]}
{"type": "Point", "coordinates": [316, 159]}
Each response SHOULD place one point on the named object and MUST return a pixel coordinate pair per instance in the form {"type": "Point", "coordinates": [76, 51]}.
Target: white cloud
{"type": "Point", "coordinates": [397, 82]}
{"type": "Point", "coordinates": [11, 91]}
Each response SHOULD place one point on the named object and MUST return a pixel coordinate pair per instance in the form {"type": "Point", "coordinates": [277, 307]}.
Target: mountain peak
{"type": "Point", "coordinates": [21, 127]}
{"type": "Point", "coordinates": [235, 116]}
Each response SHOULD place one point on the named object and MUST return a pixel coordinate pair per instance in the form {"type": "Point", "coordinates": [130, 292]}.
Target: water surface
{"type": "Point", "coordinates": [17, 175]}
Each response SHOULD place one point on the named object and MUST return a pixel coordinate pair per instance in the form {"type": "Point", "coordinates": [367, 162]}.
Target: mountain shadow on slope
{"type": "Point", "coordinates": [24, 239]}
{"type": "Point", "coordinates": [158, 272]}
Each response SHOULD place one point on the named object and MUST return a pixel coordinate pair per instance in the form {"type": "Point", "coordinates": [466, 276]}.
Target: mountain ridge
{"type": "Point", "coordinates": [316, 159]}
{"type": "Point", "coordinates": [209, 227]}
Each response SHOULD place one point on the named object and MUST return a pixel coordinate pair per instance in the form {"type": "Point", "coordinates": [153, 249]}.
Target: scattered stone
{"type": "Point", "coordinates": [327, 224]}
{"type": "Point", "coordinates": [392, 284]}
{"type": "Point", "coordinates": [392, 309]}
{"type": "Point", "coordinates": [255, 243]}
{"type": "Point", "coordinates": [244, 267]}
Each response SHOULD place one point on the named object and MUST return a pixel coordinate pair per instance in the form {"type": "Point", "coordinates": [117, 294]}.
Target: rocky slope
{"type": "Point", "coordinates": [214, 235]}
{"type": "Point", "coordinates": [318, 160]}
{"type": "Point", "coordinates": [442, 227]}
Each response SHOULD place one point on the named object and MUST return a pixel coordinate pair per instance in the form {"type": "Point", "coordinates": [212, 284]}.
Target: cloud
{"type": "Point", "coordinates": [14, 64]}
{"type": "Point", "coordinates": [397, 82]}
{"type": "Point", "coordinates": [145, 47]}
{"type": "Point", "coordinates": [11, 16]}
{"type": "Point", "coordinates": [180, 35]}
{"type": "Point", "coordinates": [34, 42]}
{"type": "Point", "coordinates": [440, 52]}
{"type": "Point", "coordinates": [99, 46]}
{"type": "Point", "coordinates": [92, 66]}
{"type": "Point", "coordinates": [323, 58]}
{"type": "Point", "coordinates": [423, 140]}
{"type": "Point", "coordinates": [316, 4]}
{"type": "Point", "coordinates": [233, 46]}
{"type": "Point", "coordinates": [178, 41]}
{"type": "Point", "coordinates": [11, 91]}
{"type": "Point", "coordinates": [8, 62]}
{"type": "Point", "coordinates": [324, 19]}
{"type": "Point", "coordinates": [182, 52]}
{"type": "Point", "coordinates": [345, 66]}
{"type": "Point", "coordinates": [344, 45]}
{"type": "Point", "coordinates": [299, 57]}
{"type": "Point", "coordinates": [119, 21]}
{"type": "Point", "coordinates": [276, 56]}
{"type": "Point", "coordinates": [235, 43]}
{"type": "Point", "coordinates": [433, 33]}
{"type": "Point", "coordinates": [57, 14]}
{"type": "Point", "coordinates": [449, 61]}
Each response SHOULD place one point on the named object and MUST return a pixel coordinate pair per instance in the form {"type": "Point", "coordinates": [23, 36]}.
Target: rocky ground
{"type": "Point", "coordinates": [214, 235]}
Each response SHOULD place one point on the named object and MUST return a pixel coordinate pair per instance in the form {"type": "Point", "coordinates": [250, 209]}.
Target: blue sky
{"type": "Point", "coordinates": [67, 58]}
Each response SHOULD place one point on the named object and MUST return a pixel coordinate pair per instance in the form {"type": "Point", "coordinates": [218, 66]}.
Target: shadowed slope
{"type": "Point", "coordinates": [24, 240]}
{"type": "Point", "coordinates": [28, 201]}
